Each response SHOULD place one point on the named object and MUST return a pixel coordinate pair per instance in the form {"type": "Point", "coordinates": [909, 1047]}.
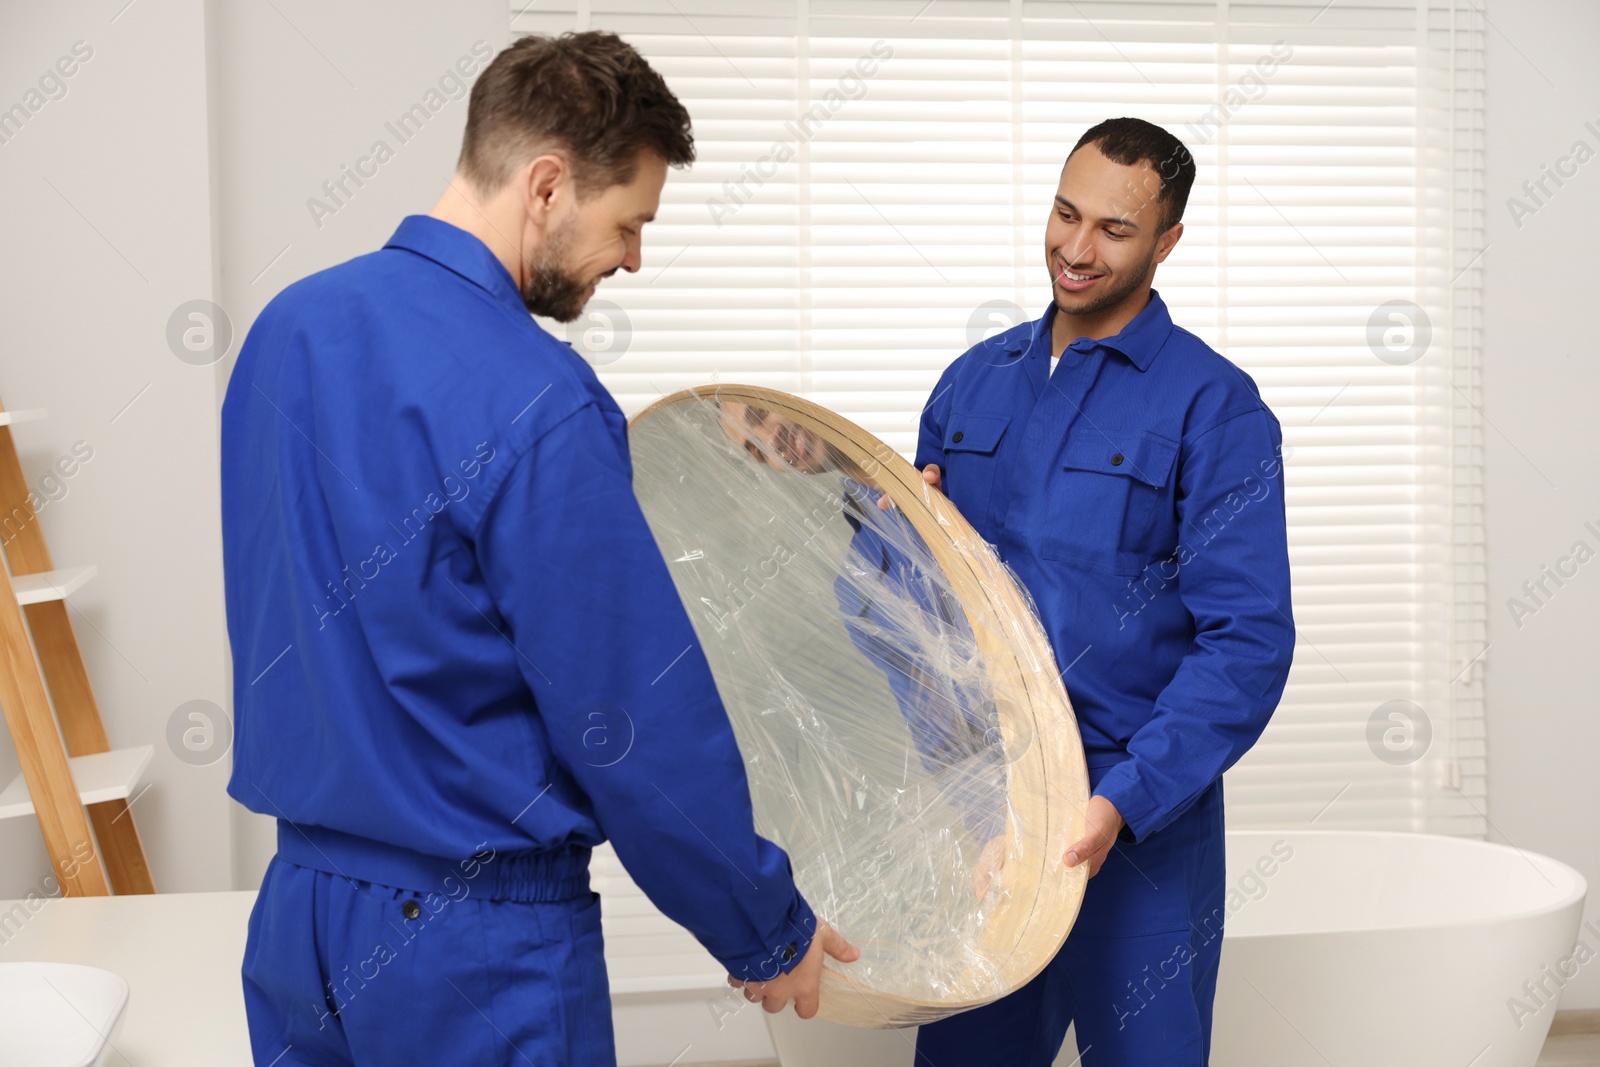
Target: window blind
{"type": "Point", "coordinates": [869, 200]}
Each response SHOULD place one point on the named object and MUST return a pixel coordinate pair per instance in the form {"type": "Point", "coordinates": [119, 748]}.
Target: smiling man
{"type": "Point", "coordinates": [1132, 478]}
{"type": "Point", "coordinates": [460, 662]}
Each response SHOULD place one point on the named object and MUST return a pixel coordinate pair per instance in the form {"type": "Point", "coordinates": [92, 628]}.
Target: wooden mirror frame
{"type": "Point", "coordinates": [1047, 784]}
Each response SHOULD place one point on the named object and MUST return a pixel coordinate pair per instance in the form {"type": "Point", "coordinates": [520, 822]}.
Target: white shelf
{"type": "Point", "coordinates": [51, 585]}
{"type": "Point", "coordinates": [100, 777]}
{"type": "Point", "coordinates": [8, 418]}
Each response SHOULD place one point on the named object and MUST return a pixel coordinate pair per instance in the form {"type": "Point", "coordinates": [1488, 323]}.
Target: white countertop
{"type": "Point", "coordinates": [179, 953]}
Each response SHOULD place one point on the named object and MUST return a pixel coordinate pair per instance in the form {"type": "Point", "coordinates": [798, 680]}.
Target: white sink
{"type": "Point", "coordinates": [58, 1014]}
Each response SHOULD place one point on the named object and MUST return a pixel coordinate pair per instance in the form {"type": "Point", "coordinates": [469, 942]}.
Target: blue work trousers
{"type": "Point", "coordinates": [344, 971]}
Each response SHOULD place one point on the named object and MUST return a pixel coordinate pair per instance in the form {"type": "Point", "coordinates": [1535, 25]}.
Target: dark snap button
{"type": "Point", "coordinates": [411, 909]}
{"type": "Point", "coordinates": [957, 436]}
{"type": "Point", "coordinates": [1116, 459]}
{"type": "Point", "coordinates": [790, 953]}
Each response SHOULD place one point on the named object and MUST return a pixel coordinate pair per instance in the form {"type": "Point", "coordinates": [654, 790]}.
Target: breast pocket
{"type": "Point", "coordinates": [970, 443]}
{"type": "Point", "coordinates": [1102, 496]}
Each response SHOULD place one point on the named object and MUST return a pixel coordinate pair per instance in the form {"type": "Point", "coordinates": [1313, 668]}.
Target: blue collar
{"type": "Point", "coordinates": [1139, 342]}
{"type": "Point", "coordinates": [460, 252]}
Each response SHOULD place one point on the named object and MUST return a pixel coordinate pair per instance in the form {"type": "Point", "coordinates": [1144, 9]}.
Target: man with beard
{"type": "Point", "coordinates": [1131, 477]}
{"type": "Point", "coordinates": [460, 662]}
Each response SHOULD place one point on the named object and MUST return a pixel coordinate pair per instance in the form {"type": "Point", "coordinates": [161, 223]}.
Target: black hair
{"type": "Point", "coordinates": [1131, 141]}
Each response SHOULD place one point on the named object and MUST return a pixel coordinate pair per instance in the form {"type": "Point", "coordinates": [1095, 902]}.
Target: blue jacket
{"type": "Point", "coordinates": [452, 630]}
{"type": "Point", "coordinates": [1137, 493]}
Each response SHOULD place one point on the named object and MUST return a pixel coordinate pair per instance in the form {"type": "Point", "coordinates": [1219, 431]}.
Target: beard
{"type": "Point", "coordinates": [551, 289]}
{"type": "Point", "coordinates": [1120, 289]}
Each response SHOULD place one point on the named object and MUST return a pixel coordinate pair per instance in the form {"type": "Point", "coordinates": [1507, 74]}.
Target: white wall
{"type": "Point", "coordinates": [107, 230]}
{"type": "Point", "coordinates": [1541, 387]}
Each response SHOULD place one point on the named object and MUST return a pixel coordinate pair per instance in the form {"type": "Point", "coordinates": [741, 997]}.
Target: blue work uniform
{"type": "Point", "coordinates": [1136, 491]}
{"type": "Point", "coordinates": [460, 663]}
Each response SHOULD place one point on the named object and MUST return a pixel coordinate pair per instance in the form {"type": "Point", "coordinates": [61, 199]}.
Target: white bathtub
{"type": "Point", "coordinates": [1384, 949]}
{"type": "Point", "coordinates": [1363, 948]}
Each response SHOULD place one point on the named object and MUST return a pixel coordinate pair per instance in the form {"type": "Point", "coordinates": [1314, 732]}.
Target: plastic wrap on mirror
{"type": "Point", "coordinates": [905, 731]}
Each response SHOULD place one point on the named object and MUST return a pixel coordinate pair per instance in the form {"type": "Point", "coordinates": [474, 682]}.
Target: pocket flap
{"type": "Point", "coordinates": [1138, 454]}
{"type": "Point", "coordinates": [974, 433]}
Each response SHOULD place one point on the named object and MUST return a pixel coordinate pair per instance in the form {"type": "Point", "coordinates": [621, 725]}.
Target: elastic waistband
{"type": "Point", "coordinates": [547, 877]}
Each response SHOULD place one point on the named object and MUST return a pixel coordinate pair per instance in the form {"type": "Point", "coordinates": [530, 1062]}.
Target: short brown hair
{"type": "Point", "coordinates": [588, 96]}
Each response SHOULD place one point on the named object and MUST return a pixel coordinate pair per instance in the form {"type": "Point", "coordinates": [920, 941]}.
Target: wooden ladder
{"type": "Point", "coordinates": [71, 778]}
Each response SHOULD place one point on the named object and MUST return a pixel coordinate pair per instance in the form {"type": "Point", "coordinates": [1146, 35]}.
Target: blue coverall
{"type": "Point", "coordinates": [1136, 491]}
{"type": "Point", "coordinates": [460, 664]}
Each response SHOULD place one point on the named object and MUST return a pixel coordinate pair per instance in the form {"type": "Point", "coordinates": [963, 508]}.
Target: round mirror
{"type": "Point", "coordinates": [904, 726]}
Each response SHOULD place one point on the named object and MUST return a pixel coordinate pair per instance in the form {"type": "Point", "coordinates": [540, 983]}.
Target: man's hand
{"type": "Point", "coordinates": [801, 984]}
{"type": "Point", "coordinates": [1105, 822]}
{"type": "Point", "coordinates": [930, 474]}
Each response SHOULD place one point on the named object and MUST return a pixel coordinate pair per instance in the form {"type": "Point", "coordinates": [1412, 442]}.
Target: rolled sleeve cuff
{"type": "Point", "coordinates": [785, 947]}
